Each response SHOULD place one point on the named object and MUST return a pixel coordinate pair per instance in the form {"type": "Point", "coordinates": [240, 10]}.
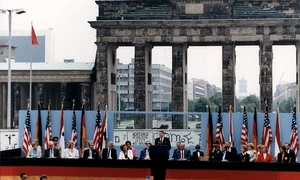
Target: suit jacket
{"type": "Point", "coordinates": [291, 155]}
{"type": "Point", "coordinates": [260, 158]}
{"type": "Point", "coordinates": [55, 153]}
{"type": "Point", "coordinates": [187, 155]}
{"type": "Point", "coordinates": [233, 154]}
{"type": "Point", "coordinates": [228, 156]}
{"type": "Point", "coordinates": [129, 155]}
{"type": "Point", "coordinates": [143, 154]}
{"type": "Point", "coordinates": [38, 153]}
{"type": "Point", "coordinates": [195, 155]}
{"type": "Point", "coordinates": [174, 152]}
{"type": "Point", "coordinates": [86, 154]}
{"type": "Point", "coordinates": [253, 155]}
{"type": "Point", "coordinates": [113, 153]}
{"type": "Point", "coordinates": [284, 159]}
{"type": "Point", "coordinates": [215, 155]}
{"type": "Point", "coordinates": [243, 158]}
{"type": "Point", "coordinates": [166, 141]}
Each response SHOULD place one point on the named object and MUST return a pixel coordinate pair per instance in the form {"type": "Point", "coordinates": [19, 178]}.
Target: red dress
{"type": "Point", "coordinates": [260, 158]}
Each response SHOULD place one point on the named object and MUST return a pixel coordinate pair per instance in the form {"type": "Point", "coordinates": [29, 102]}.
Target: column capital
{"type": "Point", "coordinates": [139, 44]}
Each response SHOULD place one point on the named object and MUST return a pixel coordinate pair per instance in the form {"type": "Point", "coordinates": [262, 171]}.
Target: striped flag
{"type": "Point", "coordinates": [219, 131]}
{"type": "Point", "coordinates": [83, 138]}
{"type": "Point", "coordinates": [103, 131]}
{"type": "Point", "coordinates": [254, 130]}
{"type": "Point", "coordinates": [48, 131]}
{"type": "Point", "coordinates": [97, 129]}
{"type": "Point", "coordinates": [74, 127]}
{"type": "Point", "coordinates": [294, 134]}
{"type": "Point", "coordinates": [26, 134]}
{"type": "Point", "coordinates": [277, 133]}
{"type": "Point", "coordinates": [244, 134]}
{"type": "Point", "coordinates": [267, 136]}
{"type": "Point", "coordinates": [231, 140]}
{"type": "Point", "coordinates": [62, 140]}
{"type": "Point", "coordinates": [209, 133]}
{"type": "Point", "coordinates": [38, 134]}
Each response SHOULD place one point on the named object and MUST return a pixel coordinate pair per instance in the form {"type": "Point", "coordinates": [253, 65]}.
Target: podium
{"type": "Point", "coordinates": [159, 155]}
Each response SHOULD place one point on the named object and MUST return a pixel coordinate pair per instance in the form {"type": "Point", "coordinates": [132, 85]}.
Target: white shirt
{"type": "Point", "coordinates": [224, 155]}
{"type": "Point", "coordinates": [147, 154]}
{"type": "Point", "coordinates": [265, 155]}
{"type": "Point", "coordinates": [182, 154]}
{"type": "Point", "coordinates": [198, 153]}
{"type": "Point", "coordinates": [71, 154]}
{"type": "Point", "coordinates": [129, 155]}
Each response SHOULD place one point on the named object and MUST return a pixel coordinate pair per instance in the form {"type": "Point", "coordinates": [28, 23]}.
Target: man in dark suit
{"type": "Point", "coordinates": [182, 154]}
{"type": "Point", "coordinates": [197, 154]}
{"type": "Point", "coordinates": [243, 156]}
{"type": "Point", "coordinates": [175, 150]}
{"type": "Point", "coordinates": [90, 153]}
{"type": "Point", "coordinates": [161, 140]}
{"type": "Point", "coordinates": [226, 155]}
{"type": "Point", "coordinates": [109, 153]}
{"type": "Point", "coordinates": [51, 152]}
{"type": "Point", "coordinates": [232, 150]}
{"type": "Point", "coordinates": [291, 153]}
{"type": "Point", "coordinates": [215, 154]}
{"type": "Point", "coordinates": [145, 152]}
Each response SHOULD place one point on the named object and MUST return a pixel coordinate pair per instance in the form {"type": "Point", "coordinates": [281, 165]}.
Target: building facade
{"type": "Point", "coordinates": [161, 84]}
{"type": "Point", "coordinates": [285, 91]}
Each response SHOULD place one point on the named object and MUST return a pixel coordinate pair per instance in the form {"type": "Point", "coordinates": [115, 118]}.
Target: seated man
{"type": "Point", "coordinates": [197, 154]}
{"type": "Point", "coordinates": [56, 145]}
{"type": "Point", "coordinates": [175, 150]}
{"type": "Point", "coordinates": [182, 154]}
{"type": "Point", "coordinates": [109, 153]}
{"type": "Point", "coordinates": [51, 152]}
{"type": "Point", "coordinates": [226, 155]}
{"type": "Point", "coordinates": [215, 154]}
{"type": "Point", "coordinates": [145, 152]}
{"type": "Point", "coordinates": [90, 153]}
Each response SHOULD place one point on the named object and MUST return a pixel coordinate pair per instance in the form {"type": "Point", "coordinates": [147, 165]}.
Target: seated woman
{"type": "Point", "coordinates": [264, 156]}
{"type": "Point", "coordinates": [128, 144]}
{"type": "Point", "coordinates": [71, 152]}
{"type": "Point", "coordinates": [37, 143]}
{"type": "Point", "coordinates": [34, 152]}
{"type": "Point", "coordinates": [125, 154]}
{"type": "Point", "coordinates": [251, 152]}
{"type": "Point", "coordinates": [243, 156]}
{"type": "Point", "coordinates": [282, 156]}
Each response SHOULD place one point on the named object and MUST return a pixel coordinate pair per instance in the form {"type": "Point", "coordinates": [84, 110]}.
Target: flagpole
{"type": "Point", "coordinates": [30, 75]}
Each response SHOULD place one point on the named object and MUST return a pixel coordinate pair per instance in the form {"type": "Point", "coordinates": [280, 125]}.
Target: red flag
{"type": "Point", "coordinates": [219, 130]}
{"type": "Point", "coordinates": [231, 128]}
{"type": "Point", "coordinates": [267, 136]}
{"type": "Point", "coordinates": [209, 133]}
{"type": "Point", "coordinates": [294, 134]}
{"type": "Point", "coordinates": [34, 40]}
{"type": "Point", "coordinates": [254, 131]}
{"type": "Point", "coordinates": [277, 133]}
{"type": "Point", "coordinates": [62, 129]}
{"type": "Point", "coordinates": [244, 134]}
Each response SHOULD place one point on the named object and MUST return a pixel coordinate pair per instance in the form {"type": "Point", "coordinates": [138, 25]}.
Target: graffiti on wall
{"type": "Point", "coordinates": [139, 137]}
{"type": "Point", "coordinates": [9, 139]}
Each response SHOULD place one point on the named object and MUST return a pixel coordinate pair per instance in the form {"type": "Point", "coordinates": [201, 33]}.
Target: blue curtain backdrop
{"type": "Point", "coordinates": [90, 116]}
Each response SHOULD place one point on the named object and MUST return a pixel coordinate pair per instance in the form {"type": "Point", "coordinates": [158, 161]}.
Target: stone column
{"type": "Point", "coordinates": [24, 91]}
{"type": "Point", "coordinates": [1, 106]}
{"type": "Point", "coordinates": [112, 74]}
{"type": "Point", "coordinates": [298, 76]}
{"type": "Point", "coordinates": [179, 85]}
{"type": "Point", "coordinates": [228, 76]}
{"type": "Point", "coordinates": [142, 84]}
{"type": "Point", "coordinates": [101, 74]}
{"type": "Point", "coordinates": [86, 94]}
{"type": "Point", "coordinates": [265, 75]}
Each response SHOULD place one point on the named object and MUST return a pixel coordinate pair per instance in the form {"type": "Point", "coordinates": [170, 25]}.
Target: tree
{"type": "Point", "coordinates": [123, 104]}
{"type": "Point", "coordinates": [286, 105]}
{"type": "Point", "coordinates": [191, 106]}
{"type": "Point", "coordinates": [201, 105]}
{"type": "Point", "coordinates": [216, 99]}
{"type": "Point", "coordinates": [250, 102]}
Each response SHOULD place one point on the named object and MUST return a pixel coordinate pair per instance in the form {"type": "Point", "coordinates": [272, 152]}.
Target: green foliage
{"type": "Point", "coordinates": [201, 105]}
{"type": "Point", "coordinates": [286, 105]}
{"type": "Point", "coordinates": [250, 102]}
{"type": "Point", "coordinates": [123, 104]}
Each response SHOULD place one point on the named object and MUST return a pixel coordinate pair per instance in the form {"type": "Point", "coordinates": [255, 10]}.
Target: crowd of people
{"type": "Point", "coordinates": [23, 176]}
{"type": "Point", "coordinates": [220, 152]}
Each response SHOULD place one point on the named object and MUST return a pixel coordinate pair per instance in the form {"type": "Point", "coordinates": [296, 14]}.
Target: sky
{"type": "Point", "coordinates": [73, 38]}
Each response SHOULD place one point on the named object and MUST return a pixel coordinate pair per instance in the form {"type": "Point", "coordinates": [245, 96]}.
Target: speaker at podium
{"type": "Point", "coordinates": [159, 155]}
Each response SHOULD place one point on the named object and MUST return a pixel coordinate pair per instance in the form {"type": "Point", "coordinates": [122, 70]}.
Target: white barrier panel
{"type": "Point", "coordinates": [9, 139]}
{"type": "Point", "coordinates": [139, 137]}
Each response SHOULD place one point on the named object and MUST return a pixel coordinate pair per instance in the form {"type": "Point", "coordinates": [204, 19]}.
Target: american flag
{"type": "Point", "coordinates": [231, 140]}
{"type": "Point", "coordinates": [48, 131]}
{"type": "Point", "coordinates": [267, 136]}
{"type": "Point", "coordinates": [277, 133]}
{"type": "Point", "coordinates": [103, 131]}
{"type": "Point", "coordinates": [74, 127]}
{"type": "Point", "coordinates": [26, 134]}
{"type": "Point", "coordinates": [97, 130]}
{"type": "Point", "coordinates": [219, 131]}
{"type": "Point", "coordinates": [294, 135]}
{"type": "Point", "coordinates": [244, 135]}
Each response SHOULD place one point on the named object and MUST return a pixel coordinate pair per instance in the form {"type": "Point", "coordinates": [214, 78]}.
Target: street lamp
{"type": "Point", "coordinates": [10, 11]}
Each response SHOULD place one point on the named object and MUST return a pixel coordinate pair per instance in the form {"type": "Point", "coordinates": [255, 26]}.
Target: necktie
{"type": "Point", "coordinates": [51, 153]}
{"type": "Point", "coordinates": [90, 153]}
{"type": "Point", "coordinates": [108, 154]}
{"type": "Point", "coordinates": [160, 140]}
{"type": "Point", "coordinates": [182, 155]}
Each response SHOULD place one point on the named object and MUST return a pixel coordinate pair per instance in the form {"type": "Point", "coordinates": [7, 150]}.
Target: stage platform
{"type": "Point", "coordinates": [86, 169]}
